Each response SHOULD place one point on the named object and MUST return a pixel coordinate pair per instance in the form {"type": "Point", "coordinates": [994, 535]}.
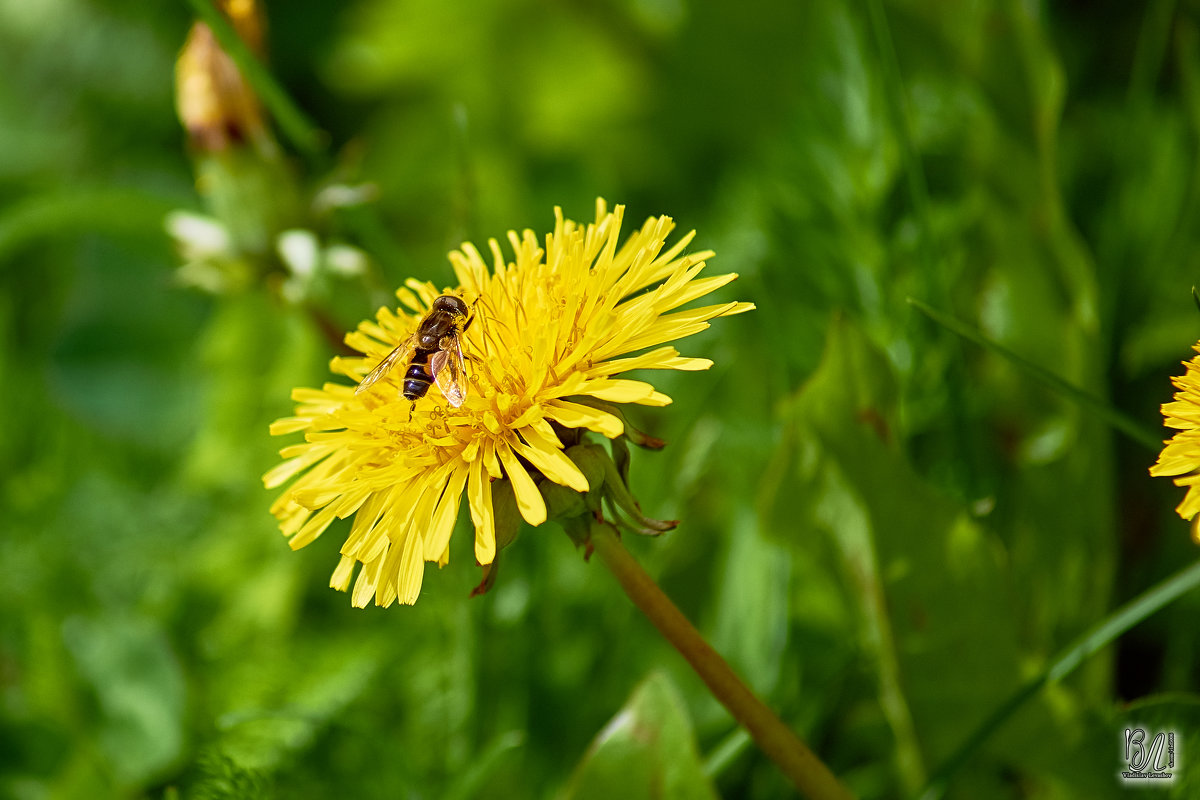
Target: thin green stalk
{"type": "Point", "coordinates": [810, 776]}
{"type": "Point", "coordinates": [726, 752]}
{"type": "Point", "coordinates": [933, 274]}
{"type": "Point", "coordinates": [473, 782]}
{"type": "Point", "coordinates": [1173, 247]}
{"type": "Point", "coordinates": [1126, 425]}
{"type": "Point", "coordinates": [914, 174]}
{"type": "Point", "coordinates": [295, 124]}
{"type": "Point", "coordinates": [880, 637]}
{"type": "Point", "coordinates": [1091, 642]}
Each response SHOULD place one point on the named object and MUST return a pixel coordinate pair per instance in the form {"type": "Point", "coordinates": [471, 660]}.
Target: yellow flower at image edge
{"type": "Point", "coordinates": [559, 321]}
{"type": "Point", "coordinates": [1181, 455]}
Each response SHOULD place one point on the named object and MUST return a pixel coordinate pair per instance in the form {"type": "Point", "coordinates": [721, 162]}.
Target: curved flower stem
{"type": "Point", "coordinates": [806, 771]}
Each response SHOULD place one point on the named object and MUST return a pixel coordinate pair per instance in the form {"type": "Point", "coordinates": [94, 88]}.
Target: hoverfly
{"type": "Point", "coordinates": [433, 353]}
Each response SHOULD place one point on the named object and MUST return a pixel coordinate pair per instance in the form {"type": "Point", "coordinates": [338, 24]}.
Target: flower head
{"type": "Point", "coordinates": [1181, 455]}
{"type": "Point", "coordinates": [556, 324]}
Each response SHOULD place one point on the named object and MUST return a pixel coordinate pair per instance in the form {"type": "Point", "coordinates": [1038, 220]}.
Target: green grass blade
{"type": "Point", "coordinates": [934, 280]}
{"type": "Point", "coordinates": [473, 782]}
{"type": "Point", "coordinates": [1091, 642]}
{"type": "Point", "coordinates": [1130, 427]}
{"type": "Point", "coordinates": [1151, 50]}
{"type": "Point", "coordinates": [726, 752]}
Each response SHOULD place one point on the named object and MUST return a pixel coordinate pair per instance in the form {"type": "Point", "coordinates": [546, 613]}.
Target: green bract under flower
{"type": "Point", "coordinates": [561, 320]}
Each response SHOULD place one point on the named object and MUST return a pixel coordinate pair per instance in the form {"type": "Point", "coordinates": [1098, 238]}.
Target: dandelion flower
{"type": "Point", "coordinates": [550, 328]}
{"type": "Point", "coordinates": [1181, 455]}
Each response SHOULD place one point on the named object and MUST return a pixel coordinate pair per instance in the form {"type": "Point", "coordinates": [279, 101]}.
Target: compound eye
{"type": "Point", "coordinates": [450, 303]}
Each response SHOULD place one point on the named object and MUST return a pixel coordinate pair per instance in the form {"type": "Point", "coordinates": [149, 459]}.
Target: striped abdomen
{"type": "Point", "coordinates": [417, 378]}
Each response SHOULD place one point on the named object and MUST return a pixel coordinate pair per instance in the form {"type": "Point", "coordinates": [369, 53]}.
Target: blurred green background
{"type": "Point", "coordinates": [886, 529]}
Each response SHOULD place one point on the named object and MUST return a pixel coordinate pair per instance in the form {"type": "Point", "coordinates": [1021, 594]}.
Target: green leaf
{"type": "Point", "coordinates": [140, 690]}
{"type": "Point", "coordinates": [56, 213]}
{"type": "Point", "coordinates": [752, 613]}
{"type": "Point", "coordinates": [646, 751]}
{"type": "Point", "coordinates": [921, 572]}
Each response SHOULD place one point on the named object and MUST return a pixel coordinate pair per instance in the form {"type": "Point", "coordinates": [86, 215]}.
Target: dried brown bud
{"type": "Point", "coordinates": [212, 98]}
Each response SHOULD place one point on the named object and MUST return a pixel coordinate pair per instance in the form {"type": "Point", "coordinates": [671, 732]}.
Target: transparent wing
{"type": "Point", "coordinates": [402, 353]}
{"type": "Point", "coordinates": [450, 374]}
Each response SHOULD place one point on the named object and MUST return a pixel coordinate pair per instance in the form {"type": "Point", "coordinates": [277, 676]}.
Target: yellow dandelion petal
{"type": "Point", "coordinates": [550, 460]}
{"type": "Point", "coordinates": [662, 358]}
{"type": "Point", "coordinates": [1173, 465]}
{"type": "Point", "coordinates": [444, 516]}
{"type": "Point", "coordinates": [282, 473]}
{"type": "Point", "coordinates": [624, 391]}
{"type": "Point", "coordinates": [552, 321]}
{"type": "Point", "coordinates": [289, 425]}
{"type": "Point", "coordinates": [315, 497]}
{"type": "Point", "coordinates": [407, 299]}
{"type": "Point", "coordinates": [315, 526]}
{"type": "Point", "coordinates": [529, 499]}
{"type": "Point", "coordinates": [1190, 505]}
{"type": "Point", "coordinates": [425, 292]}
{"type": "Point", "coordinates": [364, 586]}
{"type": "Point", "coordinates": [574, 415]}
{"type": "Point", "coordinates": [1188, 480]}
{"type": "Point", "coordinates": [340, 579]}
{"type": "Point", "coordinates": [1183, 414]}
{"type": "Point", "coordinates": [381, 519]}
{"type": "Point", "coordinates": [527, 417]}
{"type": "Point", "coordinates": [677, 326]}
{"type": "Point", "coordinates": [1180, 456]}
{"type": "Point", "coordinates": [411, 570]}
{"type": "Point", "coordinates": [364, 526]}
{"type": "Point", "coordinates": [385, 593]}
{"type": "Point", "coordinates": [479, 498]}
{"type": "Point", "coordinates": [617, 390]}
{"type": "Point", "coordinates": [490, 462]}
